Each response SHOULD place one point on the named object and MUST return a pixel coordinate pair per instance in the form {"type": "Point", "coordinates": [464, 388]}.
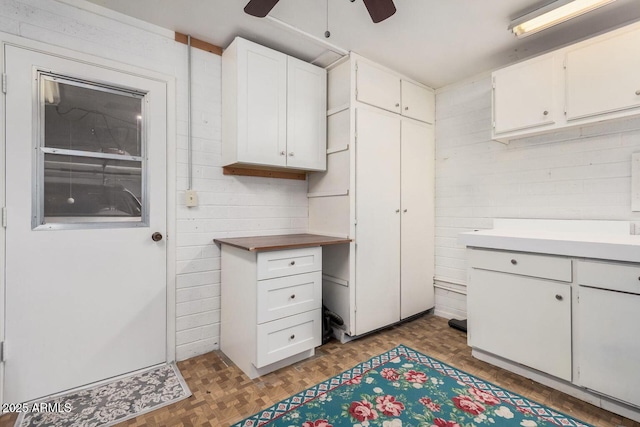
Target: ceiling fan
{"type": "Point", "coordinates": [378, 9]}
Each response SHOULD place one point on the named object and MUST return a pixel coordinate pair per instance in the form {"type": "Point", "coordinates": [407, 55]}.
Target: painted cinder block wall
{"type": "Point", "coordinates": [229, 206]}
{"type": "Point", "coordinates": [583, 173]}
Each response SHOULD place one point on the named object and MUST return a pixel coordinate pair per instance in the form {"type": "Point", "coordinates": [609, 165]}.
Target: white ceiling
{"type": "Point", "coordinates": [436, 42]}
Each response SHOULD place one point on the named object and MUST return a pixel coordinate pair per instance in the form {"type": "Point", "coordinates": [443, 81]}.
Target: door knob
{"type": "Point", "coordinates": [156, 237]}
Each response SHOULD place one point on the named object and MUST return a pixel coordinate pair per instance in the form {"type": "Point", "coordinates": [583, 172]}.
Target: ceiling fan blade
{"type": "Point", "coordinates": [260, 8]}
{"type": "Point", "coordinates": [380, 9]}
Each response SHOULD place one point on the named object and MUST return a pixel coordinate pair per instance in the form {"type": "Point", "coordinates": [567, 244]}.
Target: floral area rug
{"type": "Point", "coordinates": [109, 404]}
{"type": "Point", "coordinates": [404, 388]}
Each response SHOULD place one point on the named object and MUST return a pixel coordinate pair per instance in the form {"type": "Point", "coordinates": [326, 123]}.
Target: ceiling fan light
{"type": "Point", "coordinates": [553, 14]}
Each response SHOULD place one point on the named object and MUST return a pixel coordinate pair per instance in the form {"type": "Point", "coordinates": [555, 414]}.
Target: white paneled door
{"type": "Point", "coordinates": [85, 194]}
{"type": "Point", "coordinates": [378, 219]}
{"type": "Point", "coordinates": [417, 227]}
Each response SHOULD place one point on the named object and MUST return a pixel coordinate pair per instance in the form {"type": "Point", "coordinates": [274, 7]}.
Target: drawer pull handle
{"type": "Point", "coordinates": [293, 296]}
{"type": "Point", "coordinates": [292, 337]}
{"type": "Point", "coordinates": [292, 263]}
{"type": "Point", "coordinates": [514, 262]}
{"type": "Point", "coordinates": [559, 297]}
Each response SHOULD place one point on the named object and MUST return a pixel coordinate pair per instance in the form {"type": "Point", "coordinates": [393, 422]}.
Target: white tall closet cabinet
{"type": "Point", "coordinates": [379, 191]}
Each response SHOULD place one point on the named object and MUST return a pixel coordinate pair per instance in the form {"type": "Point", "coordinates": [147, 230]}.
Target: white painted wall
{"type": "Point", "coordinates": [229, 206]}
{"type": "Point", "coordinates": [583, 173]}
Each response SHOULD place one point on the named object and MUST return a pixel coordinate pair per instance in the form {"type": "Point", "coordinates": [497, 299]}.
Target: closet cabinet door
{"type": "Point", "coordinates": [306, 116]}
{"type": "Point", "coordinates": [378, 219]}
{"type": "Point", "coordinates": [523, 95]}
{"type": "Point", "coordinates": [262, 105]}
{"type": "Point", "coordinates": [377, 87]}
{"type": "Point", "coordinates": [417, 225]}
{"type": "Point", "coordinates": [604, 77]}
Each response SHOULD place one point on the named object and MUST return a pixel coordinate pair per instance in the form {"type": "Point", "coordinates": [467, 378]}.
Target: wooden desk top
{"type": "Point", "coordinates": [282, 241]}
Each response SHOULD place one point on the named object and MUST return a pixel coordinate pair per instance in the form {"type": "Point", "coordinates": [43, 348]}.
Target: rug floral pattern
{"type": "Point", "coordinates": [112, 403]}
{"type": "Point", "coordinates": [404, 388]}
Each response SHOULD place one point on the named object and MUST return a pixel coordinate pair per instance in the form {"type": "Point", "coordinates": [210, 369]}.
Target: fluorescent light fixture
{"type": "Point", "coordinates": [552, 14]}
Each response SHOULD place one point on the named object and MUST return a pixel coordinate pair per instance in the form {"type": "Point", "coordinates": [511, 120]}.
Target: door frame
{"type": "Point", "coordinates": [171, 149]}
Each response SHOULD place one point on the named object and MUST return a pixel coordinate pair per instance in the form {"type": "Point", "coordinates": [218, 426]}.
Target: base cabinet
{"type": "Point", "coordinates": [520, 317]}
{"type": "Point", "coordinates": [606, 342]}
{"type": "Point", "coordinates": [271, 307]}
{"type": "Point", "coordinates": [574, 322]}
{"type": "Point", "coordinates": [524, 319]}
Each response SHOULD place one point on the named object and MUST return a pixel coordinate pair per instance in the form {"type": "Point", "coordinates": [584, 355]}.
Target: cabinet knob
{"type": "Point", "coordinates": [292, 263]}
{"type": "Point", "coordinates": [406, 108]}
{"type": "Point", "coordinates": [638, 92]}
{"type": "Point", "coordinates": [282, 153]}
{"type": "Point", "coordinates": [293, 296]}
{"type": "Point", "coordinates": [405, 211]}
{"type": "Point", "coordinates": [546, 113]}
{"type": "Point", "coordinates": [559, 297]}
{"type": "Point", "coordinates": [291, 154]}
{"type": "Point", "coordinates": [514, 262]}
{"type": "Point", "coordinates": [397, 105]}
{"type": "Point", "coordinates": [397, 210]}
{"type": "Point", "coordinates": [292, 337]}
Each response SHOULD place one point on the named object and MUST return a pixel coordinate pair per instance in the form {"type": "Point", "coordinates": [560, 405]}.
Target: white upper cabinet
{"type": "Point", "coordinates": [417, 102]}
{"type": "Point", "coordinates": [387, 90]}
{"type": "Point", "coordinates": [593, 80]}
{"type": "Point", "coordinates": [273, 109]}
{"type": "Point", "coordinates": [523, 95]}
{"type": "Point", "coordinates": [306, 116]}
{"type": "Point", "coordinates": [377, 86]}
{"type": "Point", "coordinates": [604, 77]}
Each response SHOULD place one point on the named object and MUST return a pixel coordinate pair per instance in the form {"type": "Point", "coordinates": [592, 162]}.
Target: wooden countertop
{"type": "Point", "coordinates": [282, 241]}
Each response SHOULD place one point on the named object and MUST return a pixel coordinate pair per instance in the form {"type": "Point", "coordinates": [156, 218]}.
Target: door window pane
{"type": "Point", "coordinates": [84, 189]}
{"type": "Point", "coordinates": [91, 165]}
{"type": "Point", "coordinates": [95, 119]}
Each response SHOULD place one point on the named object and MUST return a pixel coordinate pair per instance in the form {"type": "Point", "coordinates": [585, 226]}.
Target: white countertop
{"type": "Point", "coordinates": [583, 244]}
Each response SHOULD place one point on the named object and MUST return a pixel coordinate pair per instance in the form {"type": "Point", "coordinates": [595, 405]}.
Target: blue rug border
{"type": "Point", "coordinates": [265, 416]}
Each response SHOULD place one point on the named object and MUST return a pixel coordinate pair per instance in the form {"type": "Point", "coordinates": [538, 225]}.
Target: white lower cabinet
{"type": "Point", "coordinates": [521, 318]}
{"type": "Point", "coordinates": [271, 307]}
{"type": "Point", "coordinates": [607, 342]}
{"type": "Point", "coordinates": [574, 321]}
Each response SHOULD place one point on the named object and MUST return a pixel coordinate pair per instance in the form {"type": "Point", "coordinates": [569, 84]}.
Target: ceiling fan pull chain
{"type": "Point", "coordinates": [327, 33]}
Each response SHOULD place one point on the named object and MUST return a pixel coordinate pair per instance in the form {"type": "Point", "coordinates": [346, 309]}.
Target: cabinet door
{"type": "Point", "coordinates": [377, 87]}
{"type": "Point", "coordinates": [417, 226]}
{"type": "Point", "coordinates": [523, 95]}
{"type": "Point", "coordinates": [522, 319]}
{"type": "Point", "coordinates": [262, 105]}
{"type": "Point", "coordinates": [378, 220]}
{"type": "Point", "coordinates": [306, 116]}
{"type": "Point", "coordinates": [418, 102]}
{"type": "Point", "coordinates": [607, 344]}
{"type": "Point", "coordinates": [604, 77]}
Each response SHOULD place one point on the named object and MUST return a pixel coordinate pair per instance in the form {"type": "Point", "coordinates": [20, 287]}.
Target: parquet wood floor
{"type": "Point", "coordinates": [222, 394]}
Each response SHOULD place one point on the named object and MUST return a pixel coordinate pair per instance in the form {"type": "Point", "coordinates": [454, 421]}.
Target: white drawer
{"type": "Point", "coordinates": [289, 295]}
{"type": "Point", "coordinates": [542, 266]}
{"type": "Point", "coordinates": [617, 277]}
{"type": "Point", "coordinates": [286, 337]}
{"type": "Point", "coordinates": [288, 262]}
